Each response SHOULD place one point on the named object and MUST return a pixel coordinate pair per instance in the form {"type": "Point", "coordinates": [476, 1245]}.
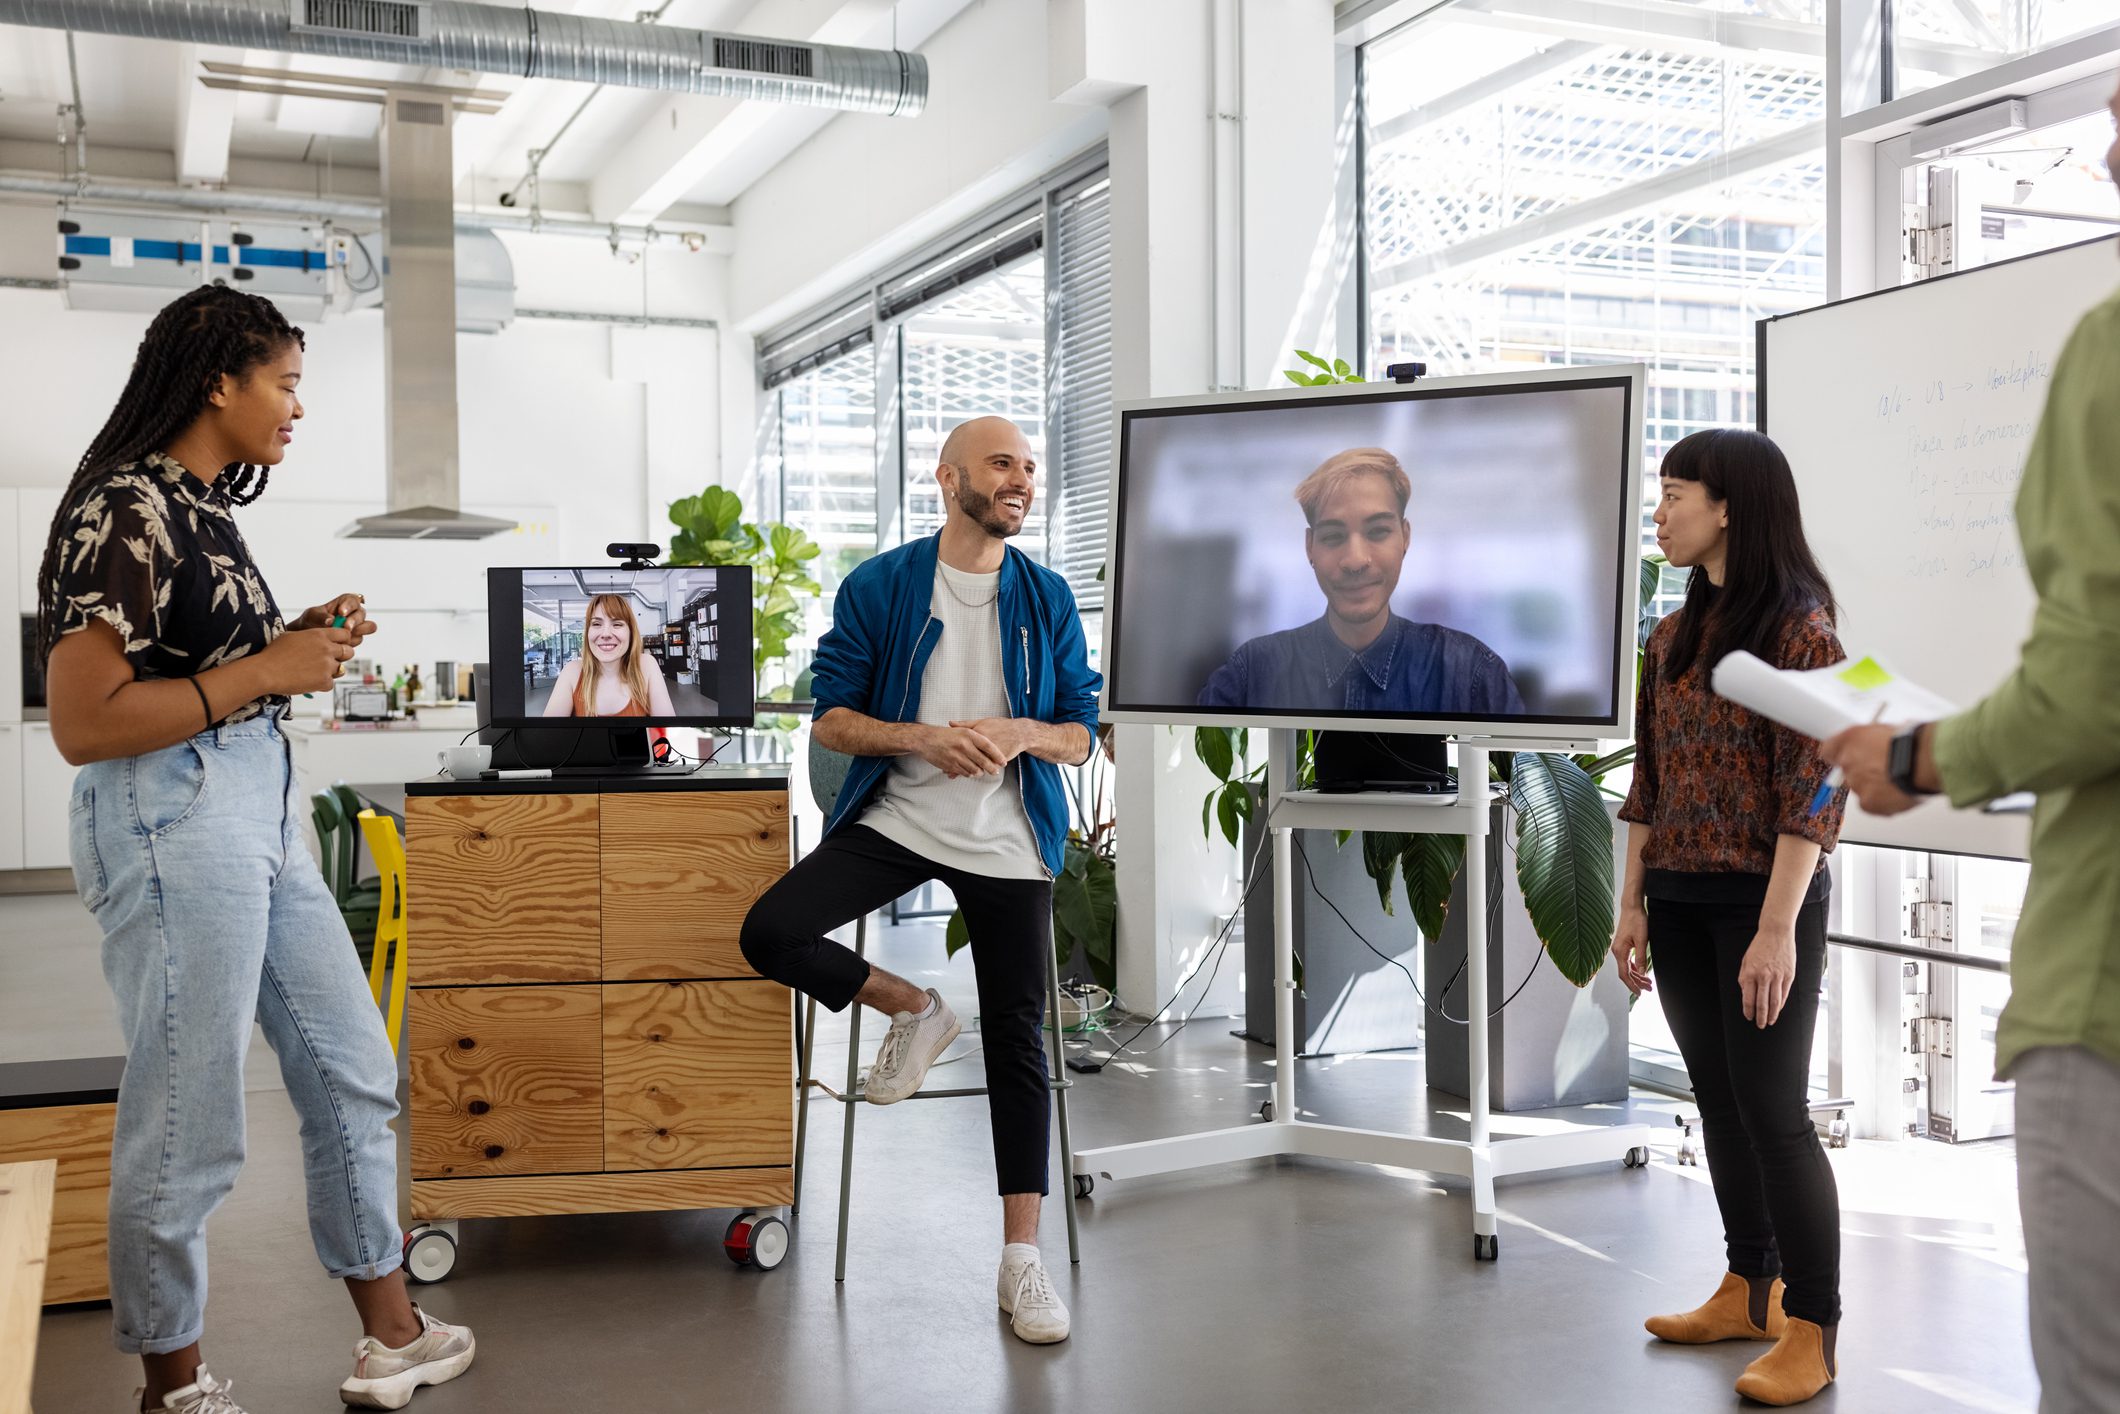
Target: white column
{"type": "Point", "coordinates": [1198, 302]}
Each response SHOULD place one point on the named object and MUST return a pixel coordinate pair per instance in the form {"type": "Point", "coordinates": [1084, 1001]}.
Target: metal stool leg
{"type": "Point", "coordinates": [846, 1146]}
{"type": "Point", "coordinates": [807, 1041]}
{"type": "Point", "coordinates": [1059, 1073]}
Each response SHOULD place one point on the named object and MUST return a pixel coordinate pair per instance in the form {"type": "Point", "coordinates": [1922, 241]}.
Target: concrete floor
{"type": "Point", "coordinates": [1278, 1285]}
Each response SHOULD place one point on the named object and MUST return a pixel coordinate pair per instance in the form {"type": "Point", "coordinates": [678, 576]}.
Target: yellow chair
{"type": "Point", "coordinates": [381, 833]}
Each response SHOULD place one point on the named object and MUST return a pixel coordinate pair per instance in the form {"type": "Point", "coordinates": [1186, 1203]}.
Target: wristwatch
{"type": "Point", "coordinates": [1906, 750]}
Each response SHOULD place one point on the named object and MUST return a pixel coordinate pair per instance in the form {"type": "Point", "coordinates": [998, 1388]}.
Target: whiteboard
{"type": "Point", "coordinates": [1907, 416]}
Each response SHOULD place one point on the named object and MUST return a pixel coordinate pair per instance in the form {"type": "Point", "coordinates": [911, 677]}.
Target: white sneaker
{"type": "Point", "coordinates": [206, 1395]}
{"type": "Point", "coordinates": [383, 1378]}
{"type": "Point", "coordinates": [1035, 1309]}
{"type": "Point", "coordinates": [911, 1047]}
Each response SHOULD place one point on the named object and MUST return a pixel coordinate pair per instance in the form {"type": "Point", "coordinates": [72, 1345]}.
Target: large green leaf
{"type": "Point", "coordinates": [1564, 861]}
{"type": "Point", "coordinates": [1430, 864]}
{"type": "Point", "coordinates": [1232, 808]}
{"type": "Point", "coordinates": [1380, 856]}
{"type": "Point", "coordinates": [1215, 749]}
{"type": "Point", "coordinates": [956, 935]}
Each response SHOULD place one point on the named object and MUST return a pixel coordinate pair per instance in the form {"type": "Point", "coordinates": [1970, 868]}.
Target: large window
{"type": "Point", "coordinates": [1009, 317]}
{"type": "Point", "coordinates": [1935, 41]}
{"type": "Point", "coordinates": [978, 352]}
{"type": "Point", "coordinates": [1537, 199]}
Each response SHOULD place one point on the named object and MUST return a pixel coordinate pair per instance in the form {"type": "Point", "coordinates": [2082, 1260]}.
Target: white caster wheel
{"type": "Point", "coordinates": [1486, 1247]}
{"type": "Point", "coordinates": [430, 1255]}
{"type": "Point", "coordinates": [1637, 1157]}
{"type": "Point", "coordinates": [1837, 1133]}
{"type": "Point", "coordinates": [753, 1241]}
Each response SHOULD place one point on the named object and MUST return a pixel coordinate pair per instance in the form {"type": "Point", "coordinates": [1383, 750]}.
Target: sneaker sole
{"type": "Point", "coordinates": [395, 1391]}
{"type": "Point", "coordinates": [1036, 1339]}
{"type": "Point", "coordinates": [1008, 1308]}
{"type": "Point", "coordinates": [927, 1063]}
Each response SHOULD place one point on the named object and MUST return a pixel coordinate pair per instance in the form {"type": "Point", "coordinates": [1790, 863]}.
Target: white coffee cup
{"type": "Point", "coordinates": [463, 763]}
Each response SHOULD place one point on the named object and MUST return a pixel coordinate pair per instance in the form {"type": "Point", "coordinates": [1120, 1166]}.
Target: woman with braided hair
{"type": "Point", "coordinates": [169, 673]}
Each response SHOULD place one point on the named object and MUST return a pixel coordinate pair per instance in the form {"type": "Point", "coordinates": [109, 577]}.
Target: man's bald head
{"type": "Point", "coordinates": [988, 474]}
{"type": "Point", "coordinates": [970, 439]}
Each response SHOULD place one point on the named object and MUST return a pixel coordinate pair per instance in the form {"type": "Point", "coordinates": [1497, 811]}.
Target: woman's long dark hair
{"type": "Point", "coordinates": [1769, 572]}
{"type": "Point", "coordinates": [197, 338]}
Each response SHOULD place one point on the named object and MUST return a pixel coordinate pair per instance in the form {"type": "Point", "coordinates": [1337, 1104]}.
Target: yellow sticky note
{"type": "Point", "coordinates": [1865, 675]}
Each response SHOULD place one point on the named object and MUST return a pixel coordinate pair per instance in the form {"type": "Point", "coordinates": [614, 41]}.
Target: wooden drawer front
{"type": "Point", "coordinates": [698, 1075]}
{"type": "Point", "coordinates": [78, 1136]}
{"type": "Point", "coordinates": [680, 873]}
{"type": "Point", "coordinates": [502, 889]}
{"type": "Point", "coordinates": [507, 1080]}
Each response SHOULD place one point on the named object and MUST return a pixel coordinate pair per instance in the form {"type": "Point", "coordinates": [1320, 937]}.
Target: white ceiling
{"type": "Point", "coordinates": [632, 155]}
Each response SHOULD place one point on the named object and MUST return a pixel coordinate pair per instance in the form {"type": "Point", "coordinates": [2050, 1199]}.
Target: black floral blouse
{"type": "Point", "coordinates": [154, 552]}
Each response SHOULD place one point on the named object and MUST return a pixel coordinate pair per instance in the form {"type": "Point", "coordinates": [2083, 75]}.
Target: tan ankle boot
{"type": "Point", "coordinates": [1726, 1316]}
{"type": "Point", "coordinates": [1793, 1371]}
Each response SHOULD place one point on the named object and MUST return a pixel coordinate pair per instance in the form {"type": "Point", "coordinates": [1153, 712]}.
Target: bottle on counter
{"type": "Point", "coordinates": [412, 685]}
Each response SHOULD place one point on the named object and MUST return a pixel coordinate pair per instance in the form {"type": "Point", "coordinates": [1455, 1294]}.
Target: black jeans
{"type": "Point", "coordinates": [1780, 1206]}
{"type": "Point", "coordinates": [857, 871]}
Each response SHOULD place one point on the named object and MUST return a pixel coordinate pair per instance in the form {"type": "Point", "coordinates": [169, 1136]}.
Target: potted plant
{"type": "Point", "coordinates": [711, 530]}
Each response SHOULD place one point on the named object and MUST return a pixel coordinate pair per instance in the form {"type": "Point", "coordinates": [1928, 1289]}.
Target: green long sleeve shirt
{"type": "Point", "coordinates": [2054, 726]}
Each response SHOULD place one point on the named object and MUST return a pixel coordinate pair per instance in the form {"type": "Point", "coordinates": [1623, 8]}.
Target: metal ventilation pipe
{"type": "Point", "coordinates": [451, 34]}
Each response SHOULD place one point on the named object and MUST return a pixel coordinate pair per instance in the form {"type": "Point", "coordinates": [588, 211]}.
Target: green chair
{"type": "Point", "coordinates": [359, 905]}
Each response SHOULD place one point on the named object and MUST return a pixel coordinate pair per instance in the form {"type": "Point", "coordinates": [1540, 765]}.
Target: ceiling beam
{"type": "Point", "coordinates": [1806, 141]}
{"type": "Point", "coordinates": [1673, 25]}
{"type": "Point", "coordinates": [684, 135]}
{"type": "Point", "coordinates": [206, 120]}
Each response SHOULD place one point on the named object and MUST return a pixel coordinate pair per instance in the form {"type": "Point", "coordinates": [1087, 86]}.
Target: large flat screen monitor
{"type": "Point", "coordinates": [1456, 556]}
{"type": "Point", "coordinates": [650, 647]}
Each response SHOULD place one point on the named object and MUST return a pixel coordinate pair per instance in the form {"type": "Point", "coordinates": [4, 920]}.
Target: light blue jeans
{"type": "Point", "coordinates": [193, 861]}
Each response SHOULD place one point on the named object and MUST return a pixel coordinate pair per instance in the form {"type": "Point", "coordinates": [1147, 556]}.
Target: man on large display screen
{"type": "Point", "coordinates": [1360, 656]}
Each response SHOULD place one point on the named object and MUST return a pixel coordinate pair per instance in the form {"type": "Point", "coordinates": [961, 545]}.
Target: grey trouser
{"type": "Point", "coordinates": [2068, 1189]}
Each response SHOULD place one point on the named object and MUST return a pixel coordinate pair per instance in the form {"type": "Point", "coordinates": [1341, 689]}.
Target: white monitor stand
{"type": "Point", "coordinates": [1477, 1157]}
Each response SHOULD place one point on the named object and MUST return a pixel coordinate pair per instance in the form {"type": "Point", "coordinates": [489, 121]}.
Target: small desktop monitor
{"type": "Point", "coordinates": [1455, 556]}
{"type": "Point", "coordinates": [624, 648]}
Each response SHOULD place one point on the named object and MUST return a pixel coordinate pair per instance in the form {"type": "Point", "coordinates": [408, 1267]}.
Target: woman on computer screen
{"type": "Point", "coordinates": [613, 677]}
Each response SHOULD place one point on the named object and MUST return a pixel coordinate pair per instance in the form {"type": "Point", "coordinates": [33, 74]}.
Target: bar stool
{"type": "Point", "coordinates": [828, 774]}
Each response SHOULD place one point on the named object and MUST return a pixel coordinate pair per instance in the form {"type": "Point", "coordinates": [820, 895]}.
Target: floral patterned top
{"type": "Point", "coordinates": [154, 552]}
{"type": "Point", "coordinates": [1718, 783]}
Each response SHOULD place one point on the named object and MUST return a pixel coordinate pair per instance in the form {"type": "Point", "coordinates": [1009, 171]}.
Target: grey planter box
{"type": "Point", "coordinates": [1352, 1000]}
{"type": "Point", "coordinates": [1555, 1044]}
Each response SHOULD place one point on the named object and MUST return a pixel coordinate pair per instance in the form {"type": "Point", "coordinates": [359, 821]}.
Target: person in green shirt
{"type": "Point", "coordinates": [2053, 727]}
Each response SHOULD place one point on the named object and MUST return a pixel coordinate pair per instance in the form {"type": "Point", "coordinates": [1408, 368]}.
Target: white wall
{"type": "Point", "coordinates": [867, 190]}
{"type": "Point", "coordinates": [583, 432]}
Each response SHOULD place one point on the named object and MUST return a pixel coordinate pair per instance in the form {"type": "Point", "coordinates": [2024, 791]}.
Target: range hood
{"type": "Point", "coordinates": [425, 523]}
{"type": "Point", "coordinates": [419, 329]}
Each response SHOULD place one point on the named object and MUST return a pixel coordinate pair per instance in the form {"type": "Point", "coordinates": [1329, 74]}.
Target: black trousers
{"type": "Point", "coordinates": [1010, 920]}
{"type": "Point", "coordinates": [1780, 1206]}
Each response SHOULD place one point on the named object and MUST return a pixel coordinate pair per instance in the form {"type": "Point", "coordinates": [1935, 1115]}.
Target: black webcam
{"type": "Point", "coordinates": [1405, 372]}
{"type": "Point", "coordinates": [636, 557]}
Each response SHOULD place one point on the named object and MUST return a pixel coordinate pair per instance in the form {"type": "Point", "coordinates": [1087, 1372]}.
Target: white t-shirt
{"type": "Point", "coordinates": [975, 823]}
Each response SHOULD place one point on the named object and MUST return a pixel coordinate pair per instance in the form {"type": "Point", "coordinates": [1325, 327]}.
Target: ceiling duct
{"type": "Point", "coordinates": [543, 44]}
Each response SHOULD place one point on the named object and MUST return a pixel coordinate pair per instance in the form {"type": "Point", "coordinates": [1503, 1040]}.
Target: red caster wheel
{"type": "Point", "coordinates": [755, 1241]}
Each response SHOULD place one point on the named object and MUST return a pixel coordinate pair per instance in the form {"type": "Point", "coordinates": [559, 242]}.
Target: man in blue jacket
{"type": "Point", "coordinates": [955, 673]}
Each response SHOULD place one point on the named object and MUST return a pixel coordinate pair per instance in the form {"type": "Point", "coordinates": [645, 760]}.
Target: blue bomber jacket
{"type": "Point", "coordinates": [872, 658]}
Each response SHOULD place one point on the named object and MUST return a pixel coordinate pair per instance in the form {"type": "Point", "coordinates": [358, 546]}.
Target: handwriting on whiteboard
{"type": "Point", "coordinates": [1961, 437]}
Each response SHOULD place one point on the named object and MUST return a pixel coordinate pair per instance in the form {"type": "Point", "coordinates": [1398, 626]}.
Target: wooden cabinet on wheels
{"type": "Point", "coordinates": [584, 1034]}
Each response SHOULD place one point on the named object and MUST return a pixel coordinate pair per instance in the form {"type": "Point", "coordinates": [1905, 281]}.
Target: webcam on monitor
{"type": "Point", "coordinates": [635, 556]}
